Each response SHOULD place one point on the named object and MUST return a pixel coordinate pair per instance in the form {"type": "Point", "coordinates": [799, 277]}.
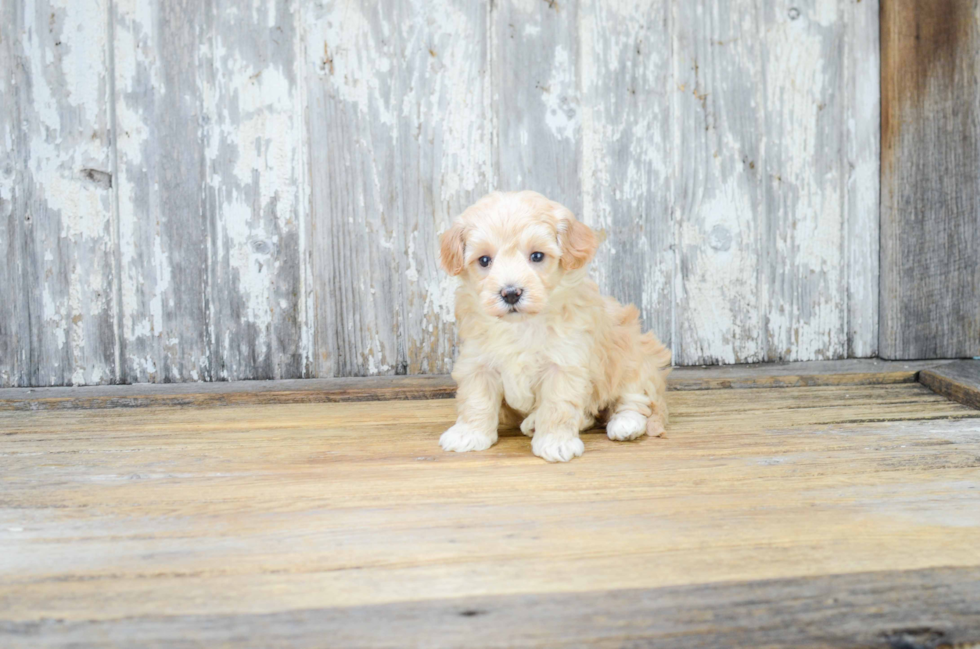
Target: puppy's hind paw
{"type": "Point", "coordinates": [527, 426]}
{"type": "Point", "coordinates": [626, 425]}
{"type": "Point", "coordinates": [655, 426]}
{"type": "Point", "coordinates": [557, 449]}
{"type": "Point", "coordinates": [462, 438]}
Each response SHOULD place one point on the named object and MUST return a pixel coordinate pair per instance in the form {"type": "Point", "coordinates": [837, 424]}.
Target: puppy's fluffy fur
{"type": "Point", "coordinates": [561, 357]}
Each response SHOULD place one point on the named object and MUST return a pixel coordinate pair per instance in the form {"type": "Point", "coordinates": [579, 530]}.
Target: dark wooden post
{"type": "Point", "coordinates": [930, 179]}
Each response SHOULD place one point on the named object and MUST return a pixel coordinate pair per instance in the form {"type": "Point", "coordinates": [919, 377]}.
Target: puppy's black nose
{"type": "Point", "coordinates": [511, 295]}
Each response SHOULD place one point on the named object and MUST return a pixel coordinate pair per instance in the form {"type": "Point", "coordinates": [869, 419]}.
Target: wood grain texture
{"type": "Point", "coordinates": [141, 515]}
{"type": "Point", "coordinates": [369, 388]}
{"type": "Point", "coordinates": [213, 221]}
{"type": "Point", "coordinates": [626, 151]}
{"type": "Point", "coordinates": [862, 166]}
{"type": "Point", "coordinates": [803, 173]}
{"type": "Point", "coordinates": [259, 264]}
{"type": "Point", "coordinates": [536, 61]}
{"type": "Point", "coordinates": [959, 381]}
{"type": "Point", "coordinates": [437, 386]}
{"type": "Point", "coordinates": [768, 130]}
{"type": "Point", "coordinates": [718, 194]}
{"type": "Point", "coordinates": [930, 217]}
{"type": "Point", "coordinates": [399, 144]}
{"type": "Point", "coordinates": [914, 609]}
{"type": "Point", "coordinates": [57, 324]}
{"type": "Point", "coordinates": [267, 180]}
{"type": "Point", "coordinates": [161, 73]}
{"type": "Point", "coordinates": [798, 374]}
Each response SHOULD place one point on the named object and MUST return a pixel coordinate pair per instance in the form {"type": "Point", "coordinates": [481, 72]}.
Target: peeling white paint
{"type": "Point", "coordinates": [826, 12]}
{"type": "Point", "coordinates": [452, 103]}
{"type": "Point", "coordinates": [347, 52]}
{"type": "Point", "coordinates": [54, 317]}
{"type": "Point", "coordinates": [591, 148]}
{"type": "Point", "coordinates": [87, 61]}
{"type": "Point", "coordinates": [60, 52]}
{"type": "Point", "coordinates": [134, 22]}
{"type": "Point", "coordinates": [440, 298]}
{"type": "Point", "coordinates": [255, 158]}
{"type": "Point", "coordinates": [861, 67]}
{"type": "Point", "coordinates": [656, 122]}
{"type": "Point", "coordinates": [412, 273]}
{"type": "Point", "coordinates": [560, 97]}
{"type": "Point", "coordinates": [720, 295]}
{"type": "Point", "coordinates": [811, 248]}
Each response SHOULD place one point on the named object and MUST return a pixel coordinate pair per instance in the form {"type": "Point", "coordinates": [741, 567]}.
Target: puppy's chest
{"type": "Point", "coordinates": [522, 361]}
{"type": "Point", "coordinates": [519, 373]}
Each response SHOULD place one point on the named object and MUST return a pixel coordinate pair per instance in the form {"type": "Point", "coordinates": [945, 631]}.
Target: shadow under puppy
{"type": "Point", "coordinates": [539, 345]}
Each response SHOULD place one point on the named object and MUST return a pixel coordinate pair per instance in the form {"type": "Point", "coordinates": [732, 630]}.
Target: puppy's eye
{"type": "Point", "coordinates": [537, 256]}
{"type": "Point", "coordinates": [484, 261]}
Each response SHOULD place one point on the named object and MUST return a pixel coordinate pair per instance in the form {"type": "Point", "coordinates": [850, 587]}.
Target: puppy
{"type": "Point", "coordinates": [539, 345]}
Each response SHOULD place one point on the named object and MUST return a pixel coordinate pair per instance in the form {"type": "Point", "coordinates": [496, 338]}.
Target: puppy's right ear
{"type": "Point", "coordinates": [452, 249]}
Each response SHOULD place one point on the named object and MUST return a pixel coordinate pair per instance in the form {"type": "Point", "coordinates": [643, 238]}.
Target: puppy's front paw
{"type": "Point", "coordinates": [527, 426]}
{"type": "Point", "coordinates": [462, 438]}
{"type": "Point", "coordinates": [554, 448]}
{"type": "Point", "coordinates": [625, 425]}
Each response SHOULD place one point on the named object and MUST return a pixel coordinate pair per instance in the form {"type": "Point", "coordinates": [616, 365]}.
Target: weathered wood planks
{"type": "Point", "coordinates": [213, 229]}
{"type": "Point", "coordinates": [768, 375]}
{"type": "Point", "coordinates": [959, 381]}
{"type": "Point", "coordinates": [627, 153]}
{"type": "Point", "coordinates": [162, 111]}
{"type": "Point", "coordinates": [718, 183]}
{"type": "Point", "coordinates": [774, 201]}
{"type": "Point", "coordinates": [399, 144]}
{"type": "Point", "coordinates": [57, 312]}
{"type": "Point", "coordinates": [369, 388]}
{"type": "Point", "coordinates": [915, 609]}
{"type": "Point", "coordinates": [120, 520]}
{"type": "Point", "coordinates": [862, 167]}
{"type": "Point", "coordinates": [930, 212]}
{"type": "Point", "coordinates": [260, 293]}
{"type": "Point", "coordinates": [800, 374]}
{"type": "Point", "coordinates": [266, 180]}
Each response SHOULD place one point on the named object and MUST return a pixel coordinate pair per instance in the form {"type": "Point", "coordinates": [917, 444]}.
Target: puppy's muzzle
{"type": "Point", "coordinates": [511, 294]}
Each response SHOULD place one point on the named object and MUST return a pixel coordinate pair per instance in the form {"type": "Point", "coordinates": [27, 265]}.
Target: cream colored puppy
{"type": "Point", "coordinates": [539, 345]}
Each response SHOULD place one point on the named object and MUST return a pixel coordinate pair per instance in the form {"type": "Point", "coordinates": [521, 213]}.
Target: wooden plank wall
{"type": "Point", "coordinates": [57, 252]}
{"type": "Point", "coordinates": [235, 189]}
{"type": "Point", "coordinates": [930, 216]}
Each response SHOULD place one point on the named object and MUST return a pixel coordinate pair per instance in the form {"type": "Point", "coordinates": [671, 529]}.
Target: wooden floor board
{"type": "Point", "coordinates": [113, 519]}
{"type": "Point", "coordinates": [923, 609]}
{"type": "Point", "coordinates": [959, 381]}
{"type": "Point", "coordinates": [385, 388]}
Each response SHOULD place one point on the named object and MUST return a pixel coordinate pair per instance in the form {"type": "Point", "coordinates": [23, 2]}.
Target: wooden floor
{"type": "Point", "coordinates": [821, 516]}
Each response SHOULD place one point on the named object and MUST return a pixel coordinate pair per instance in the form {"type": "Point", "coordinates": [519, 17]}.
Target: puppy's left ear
{"type": "Point", "coordinates": [452, 249]}
{"type": "Point", "coordinates": [577, 240]}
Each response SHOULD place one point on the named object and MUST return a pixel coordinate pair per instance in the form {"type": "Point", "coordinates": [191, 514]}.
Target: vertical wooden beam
{"type": "Point", "coordinates": [161, 72]}
{"type": "Point", "coordinates": [256, 200]}
{"type": "Point", "coordinates": [626, 152]}
{"type": "Point", "coordinates": [930, 179]}
{"type": "Point", "coordinates": [56, 255]}
{"type": "Point", "coordinates": [804, 227]}
{"type": "Point", "coordinates": [862, 160]}
{"type": "Point", "coordinates": [770, 152]}
{"type": "Point", "coordinates": [538, 107]}
{"type": "Point", "coordinates": [719, 182]}
{"type": "Point", "coordinates": [399, 144]}
{"type": "Point", "coordinates": [211, 194]}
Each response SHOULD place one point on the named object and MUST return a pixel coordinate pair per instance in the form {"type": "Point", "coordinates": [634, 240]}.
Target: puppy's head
{"type": "Point", "coordinates": [513, 249]}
